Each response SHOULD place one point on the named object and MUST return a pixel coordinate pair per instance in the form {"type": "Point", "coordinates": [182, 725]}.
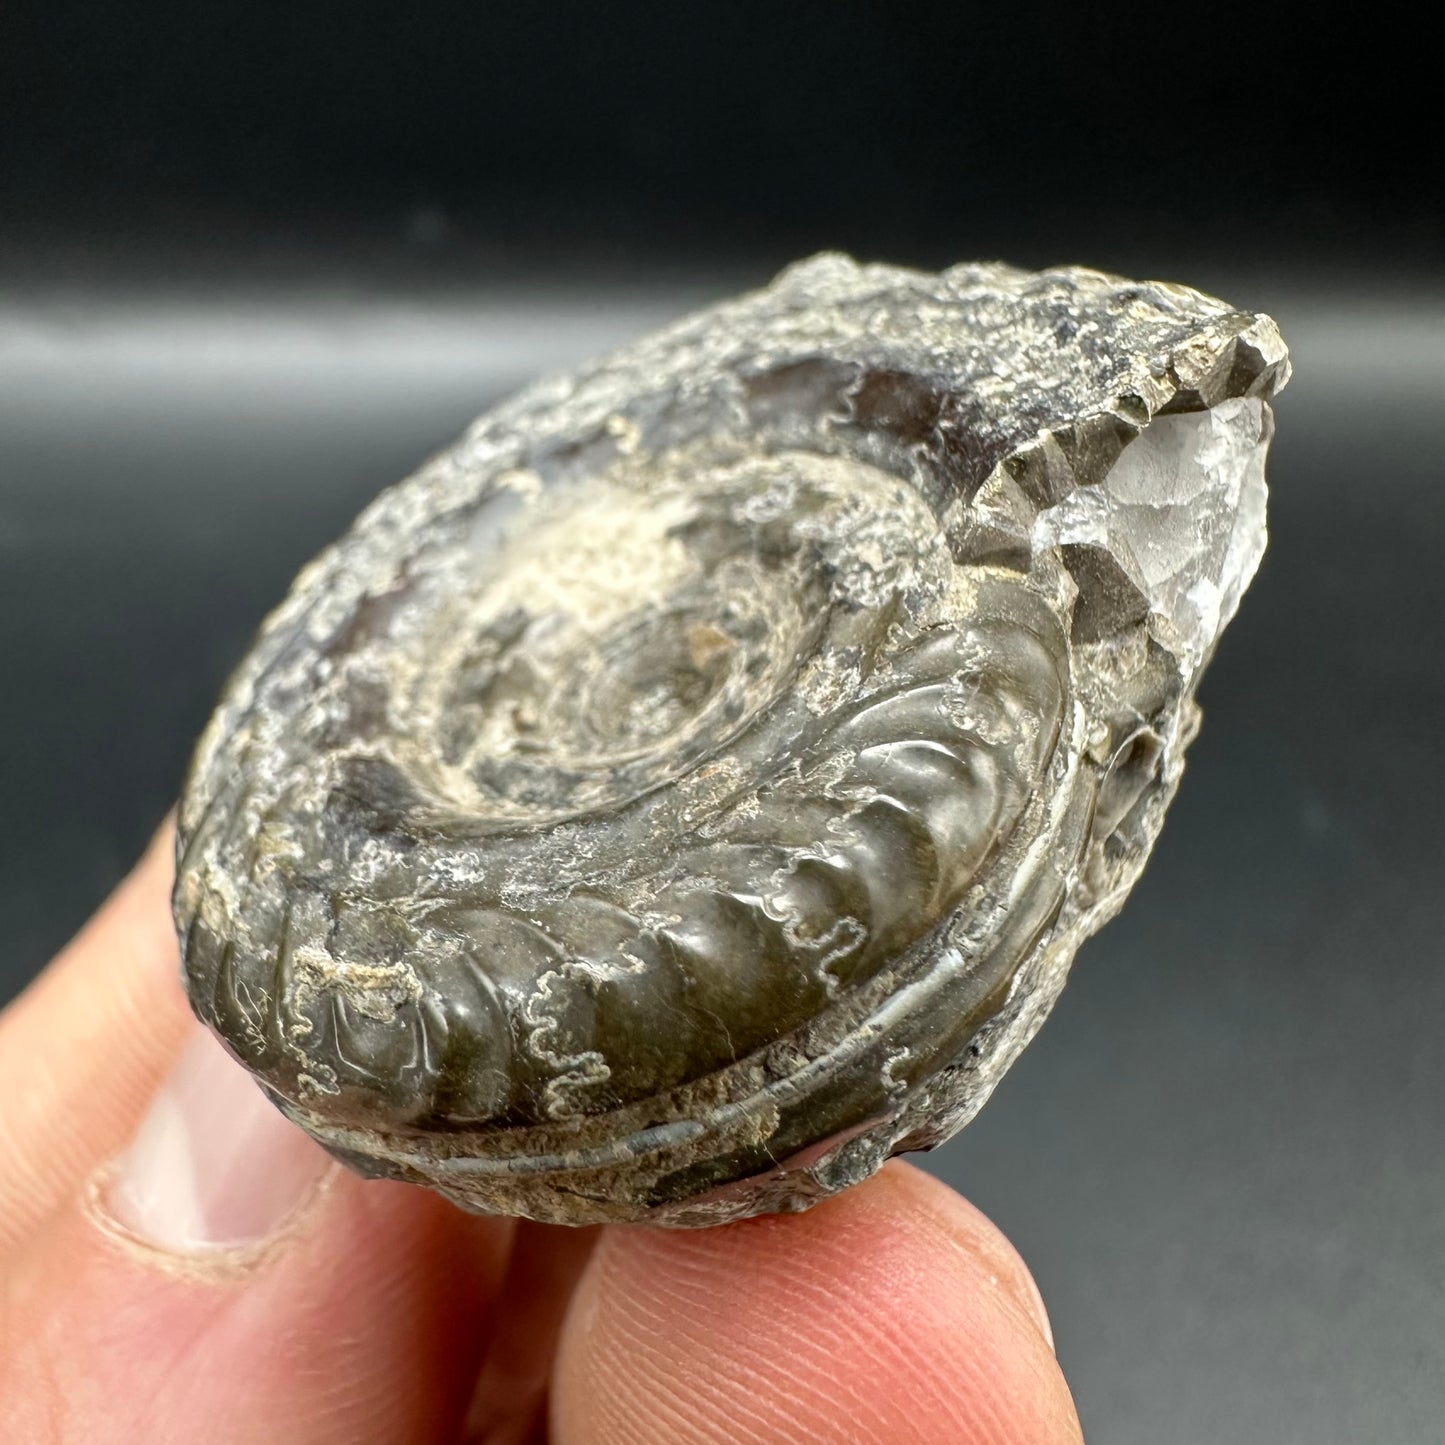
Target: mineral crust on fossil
{"type": "Point", "coordinates": [692, 787]}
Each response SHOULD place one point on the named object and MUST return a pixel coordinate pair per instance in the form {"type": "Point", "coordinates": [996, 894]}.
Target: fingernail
{"type": "Point", "coordinates": [214, 1165]}
{"type": "Point", "coordinates": [1033, 1301]}
{"type": "Point", "coordinates": [1014, 1276]}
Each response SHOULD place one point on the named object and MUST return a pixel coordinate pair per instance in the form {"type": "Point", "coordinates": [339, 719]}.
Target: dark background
{"type": "Point", "coordinates": [257, 260]}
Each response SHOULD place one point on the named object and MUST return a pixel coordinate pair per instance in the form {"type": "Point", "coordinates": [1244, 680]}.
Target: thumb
{"type": "Point", "coordinates": [222, 1279]}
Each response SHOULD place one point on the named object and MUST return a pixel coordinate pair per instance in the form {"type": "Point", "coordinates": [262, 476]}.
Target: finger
{"type": "Point", "coordinates": [83, 1048]}
{"type": "Point", "coordinates": [224, 1281]}
{"type": "Point", "coordinates": [509, 1407]}
{"type": "Point", "coordinates": [894, 1312]}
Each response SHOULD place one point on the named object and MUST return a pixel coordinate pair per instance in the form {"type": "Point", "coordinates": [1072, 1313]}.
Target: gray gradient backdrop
{"type": "Point", "coordinates": [1223, 1155]}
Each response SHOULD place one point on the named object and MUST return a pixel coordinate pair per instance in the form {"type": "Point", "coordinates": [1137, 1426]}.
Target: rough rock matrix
{"type": "Point", "coordinates": [692, 787]}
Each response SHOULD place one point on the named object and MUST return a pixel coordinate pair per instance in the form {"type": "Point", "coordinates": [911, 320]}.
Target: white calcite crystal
{"type": "Point", "coordinates": [1182, 512]}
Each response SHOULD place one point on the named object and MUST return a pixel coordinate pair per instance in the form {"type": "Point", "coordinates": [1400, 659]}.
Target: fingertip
{"type": "Point", "coordinates": [970, 1229]}
{"type": "Point", "coordinates": [895, 1311]}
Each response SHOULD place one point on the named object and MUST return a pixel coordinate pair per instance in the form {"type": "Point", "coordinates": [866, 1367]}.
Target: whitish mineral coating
{"type": "Point", "coordinates": [692, 788]}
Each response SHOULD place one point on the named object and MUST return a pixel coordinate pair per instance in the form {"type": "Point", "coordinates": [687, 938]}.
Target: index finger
{"type": "Point", "coordinates": [894, 1312]}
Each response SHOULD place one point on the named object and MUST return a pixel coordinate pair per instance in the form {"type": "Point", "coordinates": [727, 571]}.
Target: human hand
{"type": "Point", "coordinates": [179, 1264]}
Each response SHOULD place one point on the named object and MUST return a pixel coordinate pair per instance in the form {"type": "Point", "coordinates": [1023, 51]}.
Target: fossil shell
{"type": "Point", "coordinates": [692, 787]}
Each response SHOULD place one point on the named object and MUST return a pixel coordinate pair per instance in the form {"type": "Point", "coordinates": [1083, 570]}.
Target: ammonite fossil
{"type": "Point", "coordinates": [692, 787]}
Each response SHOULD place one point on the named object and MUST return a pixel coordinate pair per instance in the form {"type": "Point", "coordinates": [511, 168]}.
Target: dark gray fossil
{"type": "Point", "coordinates": [692, 787]}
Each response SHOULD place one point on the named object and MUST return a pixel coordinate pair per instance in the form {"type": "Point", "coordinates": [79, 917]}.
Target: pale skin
{"type": "Point", "coordinates": [375, 1312]}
